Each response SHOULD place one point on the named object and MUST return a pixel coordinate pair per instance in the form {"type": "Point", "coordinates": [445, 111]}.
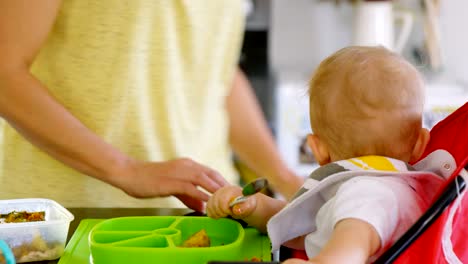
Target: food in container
{"type": "Point", "coordinates": [30, 238]}
{"type": "Point", "coordinates": [22, 216]}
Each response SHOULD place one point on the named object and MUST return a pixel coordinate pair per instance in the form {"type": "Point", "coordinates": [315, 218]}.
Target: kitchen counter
{"type": "Point", "coordinates": [104, 213]}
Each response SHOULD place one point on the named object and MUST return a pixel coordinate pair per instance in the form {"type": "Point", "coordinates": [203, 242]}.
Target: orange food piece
{"type": "Point", "coordinates": [199, 239]}
{"type": "Point", "coordinates": [254, 259]}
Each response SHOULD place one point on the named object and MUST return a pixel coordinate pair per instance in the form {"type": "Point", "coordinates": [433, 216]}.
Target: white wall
{"type": "Point", "coordinates": [454, 32]}
{"type": "Point", "coordinates": [303, 32]}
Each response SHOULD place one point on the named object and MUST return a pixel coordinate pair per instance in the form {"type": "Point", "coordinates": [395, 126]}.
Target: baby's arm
{"type": "Point", "coordinates": [256, 210]}
{"type": "Point", "coordinates": [352, 241]}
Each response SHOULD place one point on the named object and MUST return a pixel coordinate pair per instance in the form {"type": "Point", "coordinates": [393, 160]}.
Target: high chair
{"type": "Point", "coordinates": [440, 236]}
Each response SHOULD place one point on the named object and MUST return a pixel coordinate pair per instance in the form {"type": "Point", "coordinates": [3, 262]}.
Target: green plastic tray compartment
{"type": "Point", "coordinates": [147, 239]}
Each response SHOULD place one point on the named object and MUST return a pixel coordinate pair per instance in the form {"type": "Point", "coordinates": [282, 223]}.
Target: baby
{"type": "Point", "coordinates": [366, 108]}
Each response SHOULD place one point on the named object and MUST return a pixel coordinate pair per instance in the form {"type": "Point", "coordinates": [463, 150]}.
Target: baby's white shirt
{"type": "Point", "coordinates": [375, 200]}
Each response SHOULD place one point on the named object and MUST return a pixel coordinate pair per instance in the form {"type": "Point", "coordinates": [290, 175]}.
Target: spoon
{"type": "Point", "coordinates": [251, 188]}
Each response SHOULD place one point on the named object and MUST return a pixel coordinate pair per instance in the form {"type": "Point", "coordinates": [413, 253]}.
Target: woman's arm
{"type": "Point", "coordinates": [252, 140]}
{"type": "Point", "coordinates": [27, 105]}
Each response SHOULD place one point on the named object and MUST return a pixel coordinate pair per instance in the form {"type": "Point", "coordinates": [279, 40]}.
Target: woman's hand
{"type": "Point", "coordinates": [179, 177]}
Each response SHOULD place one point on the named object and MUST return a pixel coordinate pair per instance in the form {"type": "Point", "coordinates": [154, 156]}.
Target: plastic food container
{"type": "Point", "coordinates": [158, 239]}
{"type": "Point", "coordinates": [35, 241]}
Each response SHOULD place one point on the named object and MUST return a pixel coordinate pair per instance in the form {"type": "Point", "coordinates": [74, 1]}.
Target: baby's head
{"type": "Point", "coordinates": [366, 101]}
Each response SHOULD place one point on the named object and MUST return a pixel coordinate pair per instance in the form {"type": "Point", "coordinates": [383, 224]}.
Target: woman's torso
{"type": "Point", "coordinates": [149, 77]}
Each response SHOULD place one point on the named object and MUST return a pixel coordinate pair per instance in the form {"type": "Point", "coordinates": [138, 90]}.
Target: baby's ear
{"type": "Point", "coordinates": [319, 149]}
{"type": "Point", "coordinates": [420, 145]}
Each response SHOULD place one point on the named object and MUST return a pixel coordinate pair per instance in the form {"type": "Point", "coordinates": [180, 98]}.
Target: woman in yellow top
{"type": "Point", "coordinates": [136, 94]}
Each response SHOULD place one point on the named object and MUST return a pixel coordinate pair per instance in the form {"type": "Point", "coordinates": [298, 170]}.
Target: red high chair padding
{"type": "Point", "coordinates": [450, 134]}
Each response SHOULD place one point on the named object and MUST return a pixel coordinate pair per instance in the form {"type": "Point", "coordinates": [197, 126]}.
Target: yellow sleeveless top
{"type": "Point", "coordinates": [150, 77]}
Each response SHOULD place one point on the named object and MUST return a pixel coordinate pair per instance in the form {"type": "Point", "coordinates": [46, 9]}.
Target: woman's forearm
{"type": "Point", "coordinates": [28, 106]}
{"type": "Point", "coordinates": [252, 140]}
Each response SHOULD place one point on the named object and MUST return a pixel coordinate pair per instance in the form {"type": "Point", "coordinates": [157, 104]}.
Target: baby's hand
{"type": "Point", "coordinates": [218, 204]}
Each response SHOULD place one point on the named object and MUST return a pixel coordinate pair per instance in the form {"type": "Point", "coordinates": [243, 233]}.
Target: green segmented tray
{"type": "Point", "coordinates": [156, 239]}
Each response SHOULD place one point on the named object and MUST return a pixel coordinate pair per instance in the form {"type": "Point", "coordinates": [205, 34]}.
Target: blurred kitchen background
{"type": "Point", "coordinates": [285, 40]}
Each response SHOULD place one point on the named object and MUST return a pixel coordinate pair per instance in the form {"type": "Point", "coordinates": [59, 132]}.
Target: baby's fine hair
{"type": "Point", "coordinates": [366, 101]}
